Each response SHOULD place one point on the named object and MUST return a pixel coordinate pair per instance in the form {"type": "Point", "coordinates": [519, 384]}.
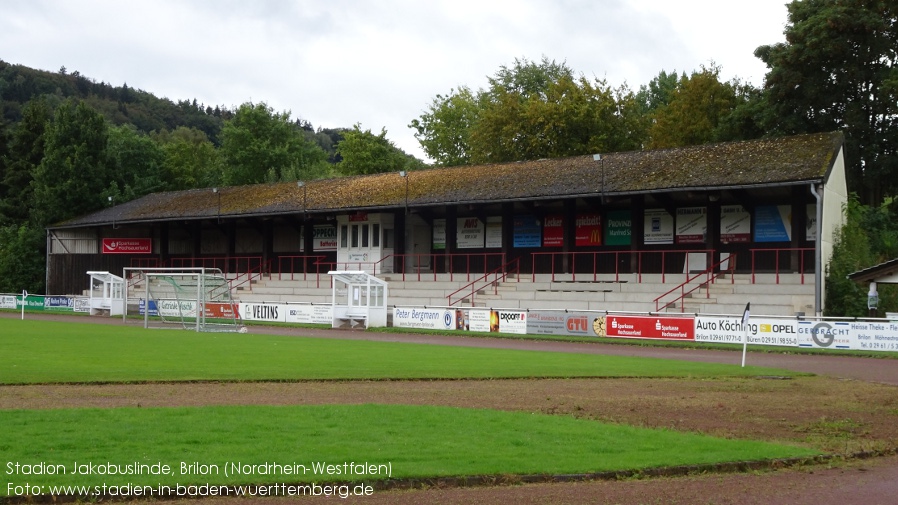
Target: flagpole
{"type": "Point", "coordinates": [745, 332]}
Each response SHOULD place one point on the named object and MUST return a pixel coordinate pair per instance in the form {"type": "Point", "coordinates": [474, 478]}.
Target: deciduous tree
{"type": "Point", "coordinates": [837, 71]}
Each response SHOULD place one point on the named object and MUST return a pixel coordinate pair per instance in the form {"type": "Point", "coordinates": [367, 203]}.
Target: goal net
{"type": "Point", "coordinates": [194, 298]}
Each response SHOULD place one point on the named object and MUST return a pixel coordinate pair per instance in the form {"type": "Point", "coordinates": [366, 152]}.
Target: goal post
{"type": "Point", "coordinates": [197, 298]}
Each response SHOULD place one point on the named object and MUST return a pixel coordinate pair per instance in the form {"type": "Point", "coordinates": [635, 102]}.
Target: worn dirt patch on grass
{"type": "Point", "coordinates": [830, 414]}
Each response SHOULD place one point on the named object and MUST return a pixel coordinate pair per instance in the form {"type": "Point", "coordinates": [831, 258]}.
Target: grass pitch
{"type": "Point", "coordinates": [37, 351]}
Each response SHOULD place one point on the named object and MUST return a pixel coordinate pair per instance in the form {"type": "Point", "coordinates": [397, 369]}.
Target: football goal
{"type": "Point", "coordinates": [191, 298]}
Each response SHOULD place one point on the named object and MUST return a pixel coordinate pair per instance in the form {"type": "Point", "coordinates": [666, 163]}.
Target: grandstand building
{"type": "Point", "coordinates": [757, 212]}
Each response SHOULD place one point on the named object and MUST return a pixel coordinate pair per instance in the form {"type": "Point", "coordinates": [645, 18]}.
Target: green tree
{"type": "Point", "coordinates": [837, 71]}
{"type": "Point", "coordinates": [444, 129]}
{"type": "Point", "coordinates": [569, 117]}
{"type": "Point", "coordinates": [190, 159]}
{"type": "Point", "coordinates": [697, 108]}
{"type": "Point", "coordinates": [72, 177]}
{"type": "Point", "coordinates": [21, 262]}
{"type": "Point", "coordinates": [659, 91]}
{"type": "Point", "coordinates": [868, 237]}
{"type": "Point", "coordinates": [134, 163]}
{"type": "Point", "coordinates": [260, 145]}
{"type": "Point", "coordinates": [531, 110]}
{"type": "Point", "coordinates": [26, 150]}
{"type": "Point", "coordinates": [363, 152]}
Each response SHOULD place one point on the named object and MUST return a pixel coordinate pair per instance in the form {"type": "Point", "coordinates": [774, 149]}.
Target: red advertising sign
{"type": "Point", "coordinates": [667, 328]}
{"type": "Point", "coordinates": [589, 230]}
{"type": "Point", "coordinates": [553, 231]}
{"type": "Point", "coordinates": [127, 246]}
{"type": "Point", "coordinates": [221, 310]}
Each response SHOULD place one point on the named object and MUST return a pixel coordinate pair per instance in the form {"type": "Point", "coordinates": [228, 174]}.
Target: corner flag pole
{"type": "Point", "coordinates": [24, 296]}
{"type": "Point", "coordinates": [745, 332]}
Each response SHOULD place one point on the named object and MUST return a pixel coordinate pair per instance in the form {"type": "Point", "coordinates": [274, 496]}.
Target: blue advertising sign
{"type": "Point", "coordinates": [527, 231]}
{"type": "Point", "coordinates": [773, 223]}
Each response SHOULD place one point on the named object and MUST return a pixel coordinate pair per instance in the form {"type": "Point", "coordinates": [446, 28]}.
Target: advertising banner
{"type": "Point", "coordinates": [619, 227]}
{"type": "Point", "coordinates": [8, 302]}
{"type": "Point", "coordinates": [505, 321]}
{"type": "Point", "coordinates": [556, 322]}
{"type": "Point", "coordinates": [221, 310]}
{"type": "Point", "coordinates": [493, 231]}
{"type": "Point", "coordinates": [469, 233]}
{"type": "Point", "coordinates": [439, 234]}
{"type": "Point", "coordinates": [169, 308]}
{"type": "Point", "coordinates": [773, 223]}
{"type": "Point", "coordinates": [735, 224]}
{"type": "Point", "coordinates": [822, 334]}
{"type": "Point", "coordinates": [658, 227]}
{"type": "Point", "coordinates": [127, 246]}
{"type": "Point", "coordinates": [553, 231]}
{"type": "Point", "coordinates": [588, 230]}
{"type": "Point", "coordinates": [81, 304]}
{"type": "Point", "coordinates": [324, 238]}
{"type": "Point", "coordinates": [310, 314]}
{"type": "Point", "coordinates": [273, 312]}
{"type": "Point", "coordinates": [692, 223]}
{"type": "Point", "coordinates": [59, 303]}
{"type": "Point", "coordinates": [810, 233]}
{"type": "Point", "coordinates": [478, 320]}
{"type": "Point", "coordinates": [730, 330]}
{"type": "Point", "coordinates": [668, 328]}
{"type": "Point", "coordinates": [429, 319]}
{"type": "Point", "coordinates": [527, 232]}
{"type": "Point", "coordinates": [874, 336]}
{"type": "Point", "coordinates": [485, 320]}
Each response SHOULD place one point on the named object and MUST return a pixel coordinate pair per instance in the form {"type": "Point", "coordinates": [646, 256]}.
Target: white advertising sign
{"type": "Point", "coordinates": [310, 314]}
{"type": "Point", "coordinates": [494, 231]}
{"type": "Point", "coordinates": [874, 336]}
{"type": "Point", "coordinates": [692, 223]}
{"type": "Point", "coordinates": [273, 312]}
{"type": "Point", "coordinates": [478, 320]}
{"type": "Point", "coordinates": [761, 331]}
{"type": "Point", "coordinates": [810, 233]}
{"type": "Point", "coordinates": [8, 302]}
{"type": "Point", "coordinates": [825, 335]}
{"type": "Point", "coordinates": [469, 233]}
{"type": "Point", "coordinates": [82, 304]}
{"type": "Point", "coordinates": [659, 227]}
{"type": "Point", "coordinates": [176, 308]}
{"type": "Point", "coordinates": [431, 319]}
{"type": "Point", "coordinates": [509, 322]}
{"type": "Point", "coordinates": [439, 234]}
{"type": "Point", "coordinates": [735, 224]}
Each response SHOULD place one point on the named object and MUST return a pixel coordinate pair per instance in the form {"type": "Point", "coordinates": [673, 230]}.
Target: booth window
{"type": "Point", "coordinates": [375, 235]}
{"type": "Point", "coordinates": [364, 235]}
{"type": "Point", "coordinates": [343, 233]}
{"type": "Point", "coordinates": [355, 235]}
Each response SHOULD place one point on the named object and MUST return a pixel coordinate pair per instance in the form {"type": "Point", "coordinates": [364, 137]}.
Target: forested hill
{"type": "Point", "coordinates": [122, 105]}
{"type": "Point", "coordinates": [118, 104]}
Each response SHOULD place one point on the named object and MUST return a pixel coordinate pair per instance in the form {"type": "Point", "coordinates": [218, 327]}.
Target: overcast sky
{"type": "Point", "coordinates": [376, 62]}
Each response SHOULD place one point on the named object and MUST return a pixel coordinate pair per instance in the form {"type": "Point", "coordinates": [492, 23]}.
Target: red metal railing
{"type": "Point", "coordinates": [248, 276]}
{"type": "Point", "coordinates": [597, 259]}
{"type": "Point", "coordinates": [492, 278]}
{"type": "Point", "coordinates": [709, 277]}
{"type": "Point", "coordinates": [291, 267]}
{"type": "Point", "coordinates": [777, 252]}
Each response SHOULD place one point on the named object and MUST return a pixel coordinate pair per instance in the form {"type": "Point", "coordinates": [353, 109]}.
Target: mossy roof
{"type": "Point", "coordinates": [778, 161]}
